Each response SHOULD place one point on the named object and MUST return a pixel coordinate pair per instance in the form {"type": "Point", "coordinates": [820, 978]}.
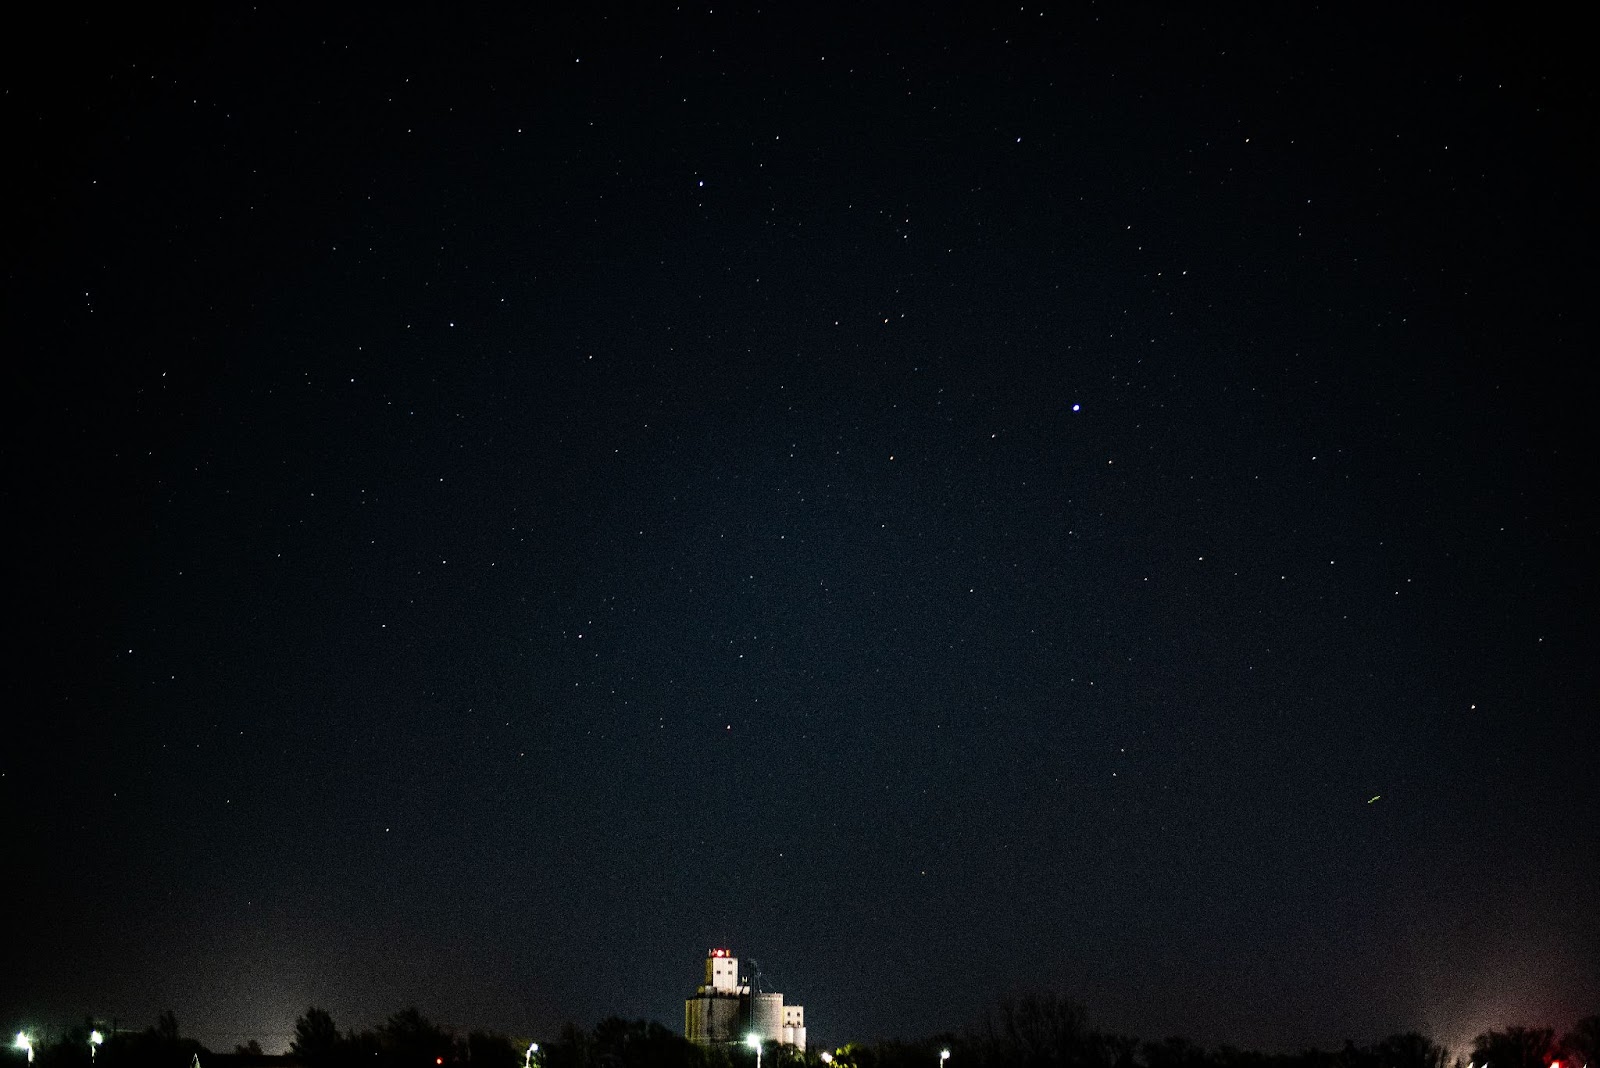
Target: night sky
{"type": "Point", "coordinates": [1085, 499]}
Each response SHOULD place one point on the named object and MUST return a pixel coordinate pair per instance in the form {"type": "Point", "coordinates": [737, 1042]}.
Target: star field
{"type": "Point", "coordinates": [1069, 498]}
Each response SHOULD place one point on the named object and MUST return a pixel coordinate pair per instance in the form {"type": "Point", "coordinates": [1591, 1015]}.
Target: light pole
{"type": "Point", "coordinates": [23, 1042]}
{"type": "Point", "coordinates": [527, 1058]}
{"type": "Point", "coordinates": [754, 1042]}
{"type": "Point", "coordinates": [95, 1039]}
{"type": "Point", "coordinates": [944, 1055]}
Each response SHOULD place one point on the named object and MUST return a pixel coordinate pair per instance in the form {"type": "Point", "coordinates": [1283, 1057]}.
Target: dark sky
{"type": "Point", "coordinates": [1078, 499]}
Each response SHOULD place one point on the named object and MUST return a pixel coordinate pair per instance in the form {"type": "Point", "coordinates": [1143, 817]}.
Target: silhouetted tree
{"type": "Point", "coordinates": [1411, 1050]}
{"type": "Point", "coordinates": [1043, 1031]}
{"type": "Point", "coordinates": [409, 1039]}
{"type": "Point", "coordinates": [1515, 1047]}
{"type": "Point", "coordinates": [719, 1057]}
{"type": "Point", "coordinates": [571, 1049]}
{"type": "Point", "coordinates": [71, 1050]}
{"type": "Point", "coordinates": [359, 1049]}
{"type": "Point", "coordinates": [894, 1054]}
{"type": "Point", "coordinates": [1175, 1052]}
{"type": "Point", "coordinates": [781, 1056]}
{"type": "Point", "coordinates": [610, 1041]}
{"type": "Point", "coordinates": [161, 1046]}
{"type": "Point", "coordinates": [1581, 1045]}
{"type": "Point", "coordinates": [487, 1049]}
{"type": "Point", "coordinates": [618, 1043]}
{"type": "Point", "coordinates": [1119, 1051]}
{"type": "Point", "coordinates": [1353, 1056]}
{"type": "Point", "coordinates": [856, 1055]}
{"type": "Point", "coordinates": [1226, 1056]}
{"type": "Point", "coordinates": [316, 1039]}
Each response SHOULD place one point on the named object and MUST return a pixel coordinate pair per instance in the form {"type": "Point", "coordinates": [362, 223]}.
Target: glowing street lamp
{"type": "Point", "coordinates": [95, 1039]}
{"type": "Point", "coordinates": [944, 1055]}
{"type": "Point", "coordinates": [23, 1042]}
{"type": "Point", "coordinates": [527, 1058]}
{"type": "Point", "coordinates": [754, 1042]}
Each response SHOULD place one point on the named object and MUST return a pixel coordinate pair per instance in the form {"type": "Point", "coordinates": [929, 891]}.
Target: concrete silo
{"type": "Point", "coordinates": [766, 1016]}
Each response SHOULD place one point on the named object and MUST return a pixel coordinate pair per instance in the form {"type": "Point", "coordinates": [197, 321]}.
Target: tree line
{"type": "Point", "coordinates": [1052, 1032]}
{"type": "Point", "coordinates": [1026, 1032]}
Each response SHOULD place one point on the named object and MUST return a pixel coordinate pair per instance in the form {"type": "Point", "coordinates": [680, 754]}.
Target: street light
{"type": "Point", "coordinates": [25, 1043]}
{"type": "Point", "coordinates": [944, 1055]}
{"type": "Point", "coordinates": [527, 1058]}
{"type": "Point", "coordinates": [754, 1042]}
{"type": "Point", "coordinates": [95, 1038]}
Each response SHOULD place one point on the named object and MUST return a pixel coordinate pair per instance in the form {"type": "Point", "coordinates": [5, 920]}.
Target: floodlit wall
{"type": "Point", "coordinates": [766, 1016]}
{"type": "Point", "coordinates": [794, 1026]}
{"type": "Point", "coordinates": [722, 973]}
{"type": "Point", "coordinates": [712, 1018]}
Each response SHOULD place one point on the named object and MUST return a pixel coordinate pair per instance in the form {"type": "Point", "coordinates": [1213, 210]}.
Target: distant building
{"type": "Point", "coordinates": [794, 1026]}
{"type": "Point", "coordinates": [724, 1009]}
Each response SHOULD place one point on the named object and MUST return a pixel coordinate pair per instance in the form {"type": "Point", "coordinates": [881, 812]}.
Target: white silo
{"type": "Point", "coordinates": [766, 1016]}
